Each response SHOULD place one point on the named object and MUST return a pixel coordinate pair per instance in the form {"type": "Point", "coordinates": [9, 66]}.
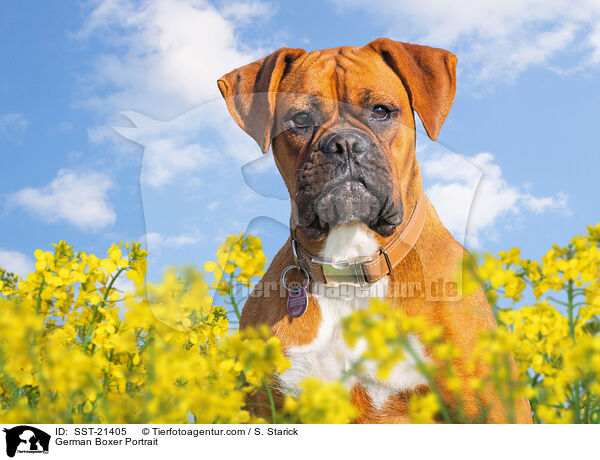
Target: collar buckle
{"type": "Point", "coordinates": [345, 271]}
{"type": "Point", "coordinates": [387, 260]}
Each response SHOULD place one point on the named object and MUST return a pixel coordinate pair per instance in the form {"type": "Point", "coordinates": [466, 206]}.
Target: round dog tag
{"type": "Point", "coordinates": [297, 302]}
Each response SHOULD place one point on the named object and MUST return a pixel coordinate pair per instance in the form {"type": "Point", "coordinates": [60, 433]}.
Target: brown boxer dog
{"type": "Point", "coordinates": [342, 128]}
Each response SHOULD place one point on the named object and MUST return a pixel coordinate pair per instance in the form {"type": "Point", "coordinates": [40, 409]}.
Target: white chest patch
{"type": "Point", "coordinates": [328, 357]}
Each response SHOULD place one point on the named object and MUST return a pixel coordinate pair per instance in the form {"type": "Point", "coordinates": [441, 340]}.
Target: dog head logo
{"type": "Point", "coordinates": [28, 439]}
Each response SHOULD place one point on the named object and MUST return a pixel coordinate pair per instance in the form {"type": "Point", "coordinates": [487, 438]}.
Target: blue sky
{"type": "Point", "coordinates": [95, 94]}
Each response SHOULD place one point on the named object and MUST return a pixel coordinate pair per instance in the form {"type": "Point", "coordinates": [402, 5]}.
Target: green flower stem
{"type": "Point", "coordinates": [570, 309]}
{"type": "Point", "coordinates": [575, 396]}
{"type": "Point", "coordinates": [90, 328]}
{"type": "Point", "coordinates": [39, 298]}
{"type": "Point", "coordinates": [234, 303]}
{"type": "Point", "coordinates": [271, 402]}
{"type": "Point", "coordinates": [564, 304]}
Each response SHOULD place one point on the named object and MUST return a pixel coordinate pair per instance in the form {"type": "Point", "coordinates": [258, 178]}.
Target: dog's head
{"type": "Point", "coordinates": [342, 126]}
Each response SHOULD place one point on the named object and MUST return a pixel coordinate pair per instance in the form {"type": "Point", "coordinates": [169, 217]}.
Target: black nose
{"type": "Point", "coordinates": [344, 142]}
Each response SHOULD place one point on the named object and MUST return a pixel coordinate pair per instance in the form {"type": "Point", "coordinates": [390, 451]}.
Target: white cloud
{"type": "Point", "coordinates": [160, 168]}
{"type": "Point", "coordinates": [474, 195]}
{"type": "Point", "coordinates": [543, 204]}
{"type": "Point", "coordinates": [12, 123]}
{"type": "Point", "coordinates": [16, 262]}
{"type": "Point", "coordinates": [171, 148]}
{"type": "Point", "coordinates": [244, 12]}
{"type": "Point", "coordinates": [78, 198]}
{"type": "Point", "coordinates": [180, 148]}
{"type": "Point", "coordinates": [164, 58]}
{"type": "Point", "coordinates": [494, 39]}
{"type": "Point", "coordinates": [155, 240]}
{"type": "Point", "coordinates": [166, 55]}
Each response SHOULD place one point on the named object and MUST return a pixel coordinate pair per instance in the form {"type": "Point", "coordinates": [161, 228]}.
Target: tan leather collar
{"type": "Point", "coordinates": [364, 271]}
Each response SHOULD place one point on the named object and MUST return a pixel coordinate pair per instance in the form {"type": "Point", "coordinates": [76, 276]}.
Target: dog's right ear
{"type": "Point", "coordinates": [429, 76]}
{"type": "Point", "coordinates": [250, 93]}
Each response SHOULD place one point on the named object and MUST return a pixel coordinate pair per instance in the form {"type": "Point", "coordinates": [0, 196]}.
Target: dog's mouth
{"type": "Point", "coordinates": [350, 200]}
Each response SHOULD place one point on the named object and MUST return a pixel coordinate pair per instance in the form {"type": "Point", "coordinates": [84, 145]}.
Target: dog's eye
{"type": "Point", "coordinates": [302, 119]}
{"type": "Point", "coordinates": [380, 112]}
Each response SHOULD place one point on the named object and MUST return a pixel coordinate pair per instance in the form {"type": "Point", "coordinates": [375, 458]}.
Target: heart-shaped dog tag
{"type": "Point", "coordinates": [297, 302]}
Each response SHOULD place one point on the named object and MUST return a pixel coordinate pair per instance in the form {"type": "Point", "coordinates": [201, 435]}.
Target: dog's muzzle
{"type": "Point", "coordinates": [346, 179]}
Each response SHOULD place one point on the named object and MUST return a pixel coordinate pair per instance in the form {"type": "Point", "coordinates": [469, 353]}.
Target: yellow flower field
{"type": "Point", "coordinates": [74, 348]}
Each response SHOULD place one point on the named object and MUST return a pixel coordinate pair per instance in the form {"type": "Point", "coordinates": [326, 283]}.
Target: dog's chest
{"type": "Point", "coordinates": [328, 357]}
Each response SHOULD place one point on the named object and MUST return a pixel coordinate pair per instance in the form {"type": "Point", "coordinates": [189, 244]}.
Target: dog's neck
{"type": "Point", "coordinates": [346, 242]}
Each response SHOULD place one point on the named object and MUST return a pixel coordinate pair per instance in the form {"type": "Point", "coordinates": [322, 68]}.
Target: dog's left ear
{"type": "Point", "coordinates": [429, 76]}
{"type": "Point", "coordinates": [250, 93]}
